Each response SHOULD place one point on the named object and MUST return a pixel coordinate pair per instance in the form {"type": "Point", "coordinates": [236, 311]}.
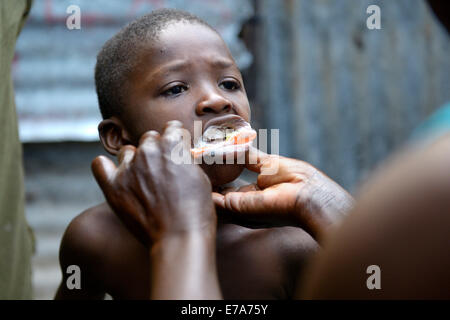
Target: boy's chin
{"type": "Point", "coordinates": [220, 174]}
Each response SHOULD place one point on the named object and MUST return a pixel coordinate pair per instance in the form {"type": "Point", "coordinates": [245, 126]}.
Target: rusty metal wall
{"type": "Point", "coordinates": [54, 66]}
{"type": "Point", "coordinates": [343, 96]}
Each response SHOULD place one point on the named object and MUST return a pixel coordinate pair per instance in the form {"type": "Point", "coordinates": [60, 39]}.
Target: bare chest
{"type": "Point", "coordinates": [246, 269]}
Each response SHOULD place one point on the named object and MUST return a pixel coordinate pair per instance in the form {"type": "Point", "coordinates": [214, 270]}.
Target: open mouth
{"type": "Point", "coordinates": [230, 134]}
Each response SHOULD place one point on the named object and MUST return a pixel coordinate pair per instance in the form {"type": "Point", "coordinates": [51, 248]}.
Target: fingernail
{"type": "Point", "coordinates": [174, 123]}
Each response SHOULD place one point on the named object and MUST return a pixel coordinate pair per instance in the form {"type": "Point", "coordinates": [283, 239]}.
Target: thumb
{"type": "Point", "coordinates": [218, 199]}
{"type": "Point", "coordinates": [104, 171]}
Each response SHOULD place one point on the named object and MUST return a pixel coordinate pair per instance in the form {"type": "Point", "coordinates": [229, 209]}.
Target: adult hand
{"type": "Point", "coordinates": [288, 189]}
{"type": "Point", "coordinates": [151, 194]}
{"type": "Point", "coordinates": [168, 206]}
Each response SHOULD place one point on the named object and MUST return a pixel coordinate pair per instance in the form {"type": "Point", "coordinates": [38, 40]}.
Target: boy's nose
{"type": "Point", "coordinates": [214, 103]}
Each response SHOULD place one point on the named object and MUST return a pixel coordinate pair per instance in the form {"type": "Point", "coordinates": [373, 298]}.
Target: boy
{"type": "Point", "coordinates": [170, 65]}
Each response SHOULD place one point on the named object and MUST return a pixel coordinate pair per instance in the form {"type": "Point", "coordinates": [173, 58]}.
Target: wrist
{"type": "Point", "coordinates": [185, 261]}
{"type": "Point", "coordinates": [316, 209]}
{"type": "Point", "coordinates": [189, 229]}
{"type": "Point", "coordinates": [183, 240]}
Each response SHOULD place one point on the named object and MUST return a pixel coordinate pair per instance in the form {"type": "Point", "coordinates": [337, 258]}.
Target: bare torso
{"type": "Point", "coordinates": [253, 262]}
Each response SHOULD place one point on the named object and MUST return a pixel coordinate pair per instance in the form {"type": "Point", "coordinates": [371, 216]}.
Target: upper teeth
{"type": "Point", "coordinates": [215, 133]}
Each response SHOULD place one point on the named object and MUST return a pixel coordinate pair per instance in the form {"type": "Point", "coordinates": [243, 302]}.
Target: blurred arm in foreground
{"type": "Point", "coordinates": [401, 224]}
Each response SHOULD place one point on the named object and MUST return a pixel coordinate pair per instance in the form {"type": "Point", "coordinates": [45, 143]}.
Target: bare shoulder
{"type": "Point", "coordinates": [93, 241]}
{"type": "Point", "coordinates": [87, 231]}
{"type": "Point", "coordinates": [296, 248]}
{"type": "Point", "coordinates": [268, 260]}
{"type": "Point", "coordinates": [96, 234]}
{"type": "Point", "coordinates": [291, 247]}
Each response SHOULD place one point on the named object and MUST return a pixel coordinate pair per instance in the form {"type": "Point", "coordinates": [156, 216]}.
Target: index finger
{"type": "Point", "coordinates": [104, 171]}
{"type": "Point", "coordinates": [126, 155]}
{"type": "Point", "coordinates": [174, 134]}
{"type": "Point", "coordinates": [176, 142]}
{"type": "Point", "coordinates": [255, 158]}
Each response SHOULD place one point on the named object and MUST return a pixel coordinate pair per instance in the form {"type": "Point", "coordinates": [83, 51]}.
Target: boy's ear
{"type": "Point", "coordinates": [113, 135]}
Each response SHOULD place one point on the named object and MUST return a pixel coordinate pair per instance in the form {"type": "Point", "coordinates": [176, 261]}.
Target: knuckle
{"type": "Point", "coordinates": [174, 123]}
{"type": "Point", "coordinates": [126, 153]}
{"type": "Point", "coordinates": [149, 146]}
{"type": "Point", "coordinates": [172, 137]}
{"type": "Point", "coordinates": [146, 152]}
{"type": "Point", "coordinates": [151, 135]}
{"type": "Point", "coordinates": [173, 132]}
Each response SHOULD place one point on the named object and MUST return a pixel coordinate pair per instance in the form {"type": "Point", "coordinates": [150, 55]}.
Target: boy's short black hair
{"type": "Point", "coordinates": [119, 55]}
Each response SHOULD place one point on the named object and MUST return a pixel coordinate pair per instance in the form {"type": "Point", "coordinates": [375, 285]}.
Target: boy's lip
{"type": "Point", "coordinates": [221, 120]}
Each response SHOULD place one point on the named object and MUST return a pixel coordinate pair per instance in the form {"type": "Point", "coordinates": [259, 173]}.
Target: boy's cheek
{"type": "Point", "coordinates": [246, 112]}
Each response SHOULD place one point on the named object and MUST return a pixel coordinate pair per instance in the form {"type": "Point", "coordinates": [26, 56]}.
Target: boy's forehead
{"type": "Point", "coordinates": [185, 41]}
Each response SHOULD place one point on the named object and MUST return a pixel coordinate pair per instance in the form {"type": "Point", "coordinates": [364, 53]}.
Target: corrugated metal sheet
{"type": "Point", "coordinates": [54, 66]}
{"type": "Point", "coordinates": [344, 96]}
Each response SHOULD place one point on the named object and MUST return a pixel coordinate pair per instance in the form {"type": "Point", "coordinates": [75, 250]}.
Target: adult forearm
{"type": "Point", "coordinates": [184, 267]}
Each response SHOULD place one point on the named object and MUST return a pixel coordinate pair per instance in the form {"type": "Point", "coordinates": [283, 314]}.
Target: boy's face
{"type": "Point", "coordinates": [187, 75]}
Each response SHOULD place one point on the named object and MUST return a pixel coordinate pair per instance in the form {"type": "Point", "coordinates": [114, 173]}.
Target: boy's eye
{"type": "Point", "coordinates": [229, 85]}
{"type": "Point", "coordinates": [175, 90]}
